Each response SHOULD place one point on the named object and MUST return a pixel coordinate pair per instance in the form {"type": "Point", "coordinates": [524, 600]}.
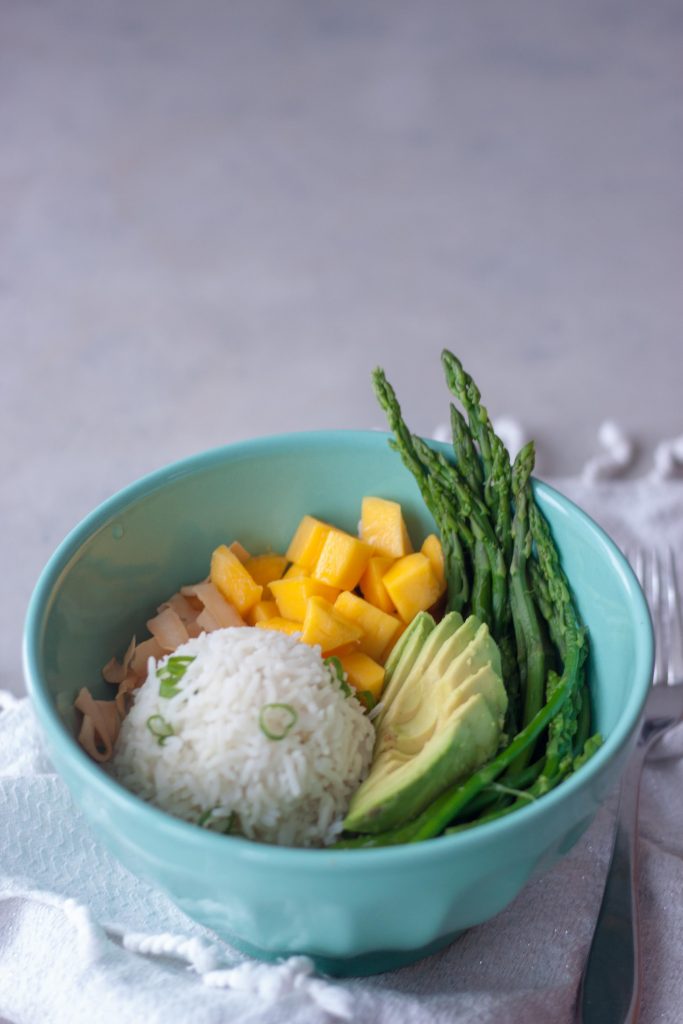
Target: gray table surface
{"type": "Point", "coordinates": [215, 219]}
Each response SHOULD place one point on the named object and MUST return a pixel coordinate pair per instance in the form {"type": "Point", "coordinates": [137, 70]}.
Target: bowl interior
{"type": "Point", "coordinates": [109, 575]}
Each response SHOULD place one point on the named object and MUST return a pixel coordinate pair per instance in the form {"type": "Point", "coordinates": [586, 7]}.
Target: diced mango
{"type": "Point", "coordinates": [431, 547]}
{"type": "Point", "coordinates": [342, 561]}
{"type": "Point", "coordinates": [372, 586]}
{"type": "Point", "coordinates": [402, 627]}
{"type": "Point", "coordinates": [266, 568]}
{"type": "Point", "coordinates": [382, 527]}
{"type": "Point", "coordinates": [324, 625]}
{"type": "Point", "coordinates": [378, 628]}
{"type": "Point", "coordinates": [239, 551]}
{"type": "Point", "coordinates": [363, 673]}
{"type": "Point", "coordinates": [261, 611]}
{"type": "Point", "coordinates": [281, 625]}
{"type": "Point", "coordinates": [295, 572]}
{"type": "Point", "coordinates": [412, 585]}
{"type": "Point", "coordinates": [292, 595]}
{"type": "Point", "coordinates": [307, 542]}
{"type": "Point", "coordinates": [232, 579]}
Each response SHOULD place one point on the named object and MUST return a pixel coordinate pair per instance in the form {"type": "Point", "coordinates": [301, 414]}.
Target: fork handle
{"type": "Point", "coordinates": [611, 983]}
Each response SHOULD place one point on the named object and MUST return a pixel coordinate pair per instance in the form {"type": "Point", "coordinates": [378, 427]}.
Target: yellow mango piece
{"type": "Point", "coordinates": [239, 551]}
{"type": "Point", "coordinates": [372, 586]}
{"type": "Point", "coordinates": [342, 561]}
{"type": "Point", "coordinates": [378, 628]}
{"type": "Point", "coordinates": [280, 624]}
{"type": "Point", "coordinates": [402, 626]}
{"type": "Point", "coordinates": [266, 568]}
{"type": "Point", "coordinates": [291, 595]}
{"type": "Point", "coordinates": [324, 625]}
{"type": "Point", "coordinates": [295, 572]}
{"type": "Point", "coordinates": [307, 542]}
{"type": "Point", "coordinates": [232, 579]}
{"type": "Point", "coordinates": [260, 612]}
{"type": "Point", "coordinates": [363, 673]}
{"type": "Point", "coordinates": [382, 527]}
{"type": "Point", "coordinates": [431, 547]}
{"type": "Point", "coordinates": [412, 585]}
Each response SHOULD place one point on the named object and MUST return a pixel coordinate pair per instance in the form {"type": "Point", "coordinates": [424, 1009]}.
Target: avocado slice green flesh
{"type": "Point", "coordinates": [422, 645]}
{"type": "Point", "coordinates": [444, 722]}
{"type": "Point", "coordinates": [404, 788]}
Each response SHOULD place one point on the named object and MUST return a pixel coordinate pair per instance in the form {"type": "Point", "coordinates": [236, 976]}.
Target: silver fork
{"type": "Point", "coordinates": [611, 983]}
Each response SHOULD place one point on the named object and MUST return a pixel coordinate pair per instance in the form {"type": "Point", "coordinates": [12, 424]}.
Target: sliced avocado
{"type": "Point", "coordinates": [418, 691]}
{"type": "Point", "coordinates": [413, 637]}
{"type": "Point", "coordinates": [418, 653]}
{"type": "Point", "coordinates": [463, 745]}
{"type": "Point", "coordinates": [444, 722]}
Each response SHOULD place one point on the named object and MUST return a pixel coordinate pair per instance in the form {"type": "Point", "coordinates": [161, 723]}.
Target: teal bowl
{"type": "Point", "coordinates": [353, 911]}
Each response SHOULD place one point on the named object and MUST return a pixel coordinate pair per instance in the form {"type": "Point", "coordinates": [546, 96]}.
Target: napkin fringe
{"type": "Point", "coordinates": [271, 983]}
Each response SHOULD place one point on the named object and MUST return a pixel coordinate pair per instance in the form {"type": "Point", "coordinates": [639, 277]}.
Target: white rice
{"type": "Point", "coordinates": [219, 761]}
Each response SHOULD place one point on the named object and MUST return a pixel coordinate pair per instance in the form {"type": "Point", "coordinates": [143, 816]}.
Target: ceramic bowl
{"type": "Point", "coordinates": [353, 911]}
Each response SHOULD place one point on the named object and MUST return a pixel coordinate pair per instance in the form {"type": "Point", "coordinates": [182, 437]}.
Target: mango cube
{"type": "Point", "coordinates": [342, 561]}
{"type": "Point", "coordinates": [378, 628]}
{"type": "Point", "coordinates": [402, 627]}
{"type": "Point", "coordinates": [281, 625]}
{"type": "Point", "coordinates": [232, 579]}
{"type": "Point", "coordinates": [307, 542]}
{"type": "Point", "coordinates": [431, 547]}
{"type": "Point", "coordinates": [260, 612]}
{"type": "Point", "coordinates": [363, 673]}
{"type": "Point", "coordinates": [295, 572]}
{"type": "Point", "coordinates": [382, 527]}
{"type": "Point", "coordinates": [324, 625]}
{"type": "Point", "coordinates": [292, 595]}
{"type": "Point", "coordinates": [239, 551]}
{"type": "Point", "coordinates": [372, 585]}
{"type": "Point", "coordinates": [265, 568]}
{"type": "Point", "coordinates": [412, 585]}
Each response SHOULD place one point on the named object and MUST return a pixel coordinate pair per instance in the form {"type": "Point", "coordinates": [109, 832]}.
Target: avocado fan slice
{"type": "Point", "coordinates": [444, 722]}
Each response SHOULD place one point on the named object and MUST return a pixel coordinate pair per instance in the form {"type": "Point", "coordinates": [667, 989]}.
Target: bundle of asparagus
{"type": "Point", "coordinates": [502, 565]}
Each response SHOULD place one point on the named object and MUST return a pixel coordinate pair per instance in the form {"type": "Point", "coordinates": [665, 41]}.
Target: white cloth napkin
{"type": "Point", "coordinates": [83, 941]}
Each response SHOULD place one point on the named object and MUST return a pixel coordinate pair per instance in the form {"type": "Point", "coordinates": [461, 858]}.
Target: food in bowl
{"type": "Point", "coordinates": [485, 705]}
{"type": "Point", "coordinates": [250, 732]}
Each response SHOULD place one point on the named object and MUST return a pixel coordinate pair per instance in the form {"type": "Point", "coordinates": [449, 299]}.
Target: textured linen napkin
{"type": "Point", "coordinates": [82, 940]}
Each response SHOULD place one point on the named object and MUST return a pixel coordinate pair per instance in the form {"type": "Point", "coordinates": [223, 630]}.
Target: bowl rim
{"type": "Point", "coordinates": [309, 859]}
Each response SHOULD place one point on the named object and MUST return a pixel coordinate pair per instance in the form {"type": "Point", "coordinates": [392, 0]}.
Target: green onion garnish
{"type": "Point", "coordinates": [159, 727]}
{"type": "Point", "coordinates": [217, 822]}
{"type": "Point", "coordinates": [170, 674]}
{"type": "Point", "coordinates": [366, 698]}
{"type": "Point", "coordinates": [277, 730]}
{"type": "Point", "coordinates": [337, 668]}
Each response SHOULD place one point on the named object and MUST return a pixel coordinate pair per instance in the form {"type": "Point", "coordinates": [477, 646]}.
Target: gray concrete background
{"type": "Point", "coordinates": [216, 218]}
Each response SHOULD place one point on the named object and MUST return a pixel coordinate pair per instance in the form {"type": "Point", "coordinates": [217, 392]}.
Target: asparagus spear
{"type": "Point", "coordinates": [465, 453]}
{"type": "Point", "coordinates": [454, 557]}
{"type": "Point", "coordinates": [570, 636]}
{"type": "Point", "coordinates": [526, 620]}
{"type": "Point", "coordinates": [495, 461]}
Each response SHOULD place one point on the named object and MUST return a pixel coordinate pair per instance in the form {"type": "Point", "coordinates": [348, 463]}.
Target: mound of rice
{"type": "Point", "coordinates": [225, 765]}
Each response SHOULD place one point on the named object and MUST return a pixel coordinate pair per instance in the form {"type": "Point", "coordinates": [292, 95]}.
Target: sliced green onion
{"type": "Point", "coordinates": [277, 731]}
{"type": "Point", "coordinates": [217, 822]}
{"type": "Point", "coordinates": [335, 664]}
{"type": "Point", "coordinates": [337, 668]}
{"type": "Point", "coordinates": [170, 674]}
{"type": "Point", "coordinates": [159, 727]}
{"type": "Point", "coordinates": [367, 699]}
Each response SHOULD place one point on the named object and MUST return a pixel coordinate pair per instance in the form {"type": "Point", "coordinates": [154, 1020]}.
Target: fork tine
{"type": "Point", "coordinates": [652, 585]}
{"type": "Point", "coordinates": [675, 620]}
